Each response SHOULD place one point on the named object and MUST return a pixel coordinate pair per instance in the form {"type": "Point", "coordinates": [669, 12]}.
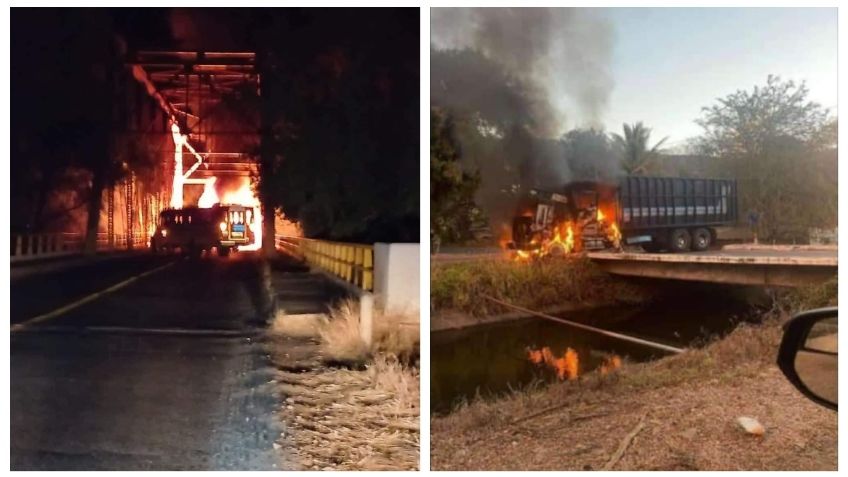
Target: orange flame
{"type": "Point", "coordinates": [558, 244]}
{"type": "Point", "coordinates": [615, 235]}
{"type": "Point", "coordinates": [566, 367]}
{"type": "Point", "coordinates": [535, 356]}
{"type": "Point", "coordinates": [610, 364]}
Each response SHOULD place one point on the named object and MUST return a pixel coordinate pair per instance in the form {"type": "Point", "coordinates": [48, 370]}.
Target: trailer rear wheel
{"type": "Point", "coordinates": [701, 239]}
{"type": "Point", "coordinates": [680, 240]}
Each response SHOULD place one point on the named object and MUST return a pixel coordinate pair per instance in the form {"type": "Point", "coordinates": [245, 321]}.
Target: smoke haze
{"type": "Point", "coordinates": [562, 54]}
{"type": "Point", "coordinates": [515, 80]}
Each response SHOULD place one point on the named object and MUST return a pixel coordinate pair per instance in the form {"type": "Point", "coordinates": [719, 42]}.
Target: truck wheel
{"type": "Point", "coordinates": [680, 240]}
{"type": "Point", "coordinates": [223, 251]}
{"type": "Point", "coordinates": [701, 239]}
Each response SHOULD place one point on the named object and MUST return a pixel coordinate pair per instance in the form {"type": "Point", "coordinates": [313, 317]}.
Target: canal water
{"type": "Point", "coordinates": [492, 359]}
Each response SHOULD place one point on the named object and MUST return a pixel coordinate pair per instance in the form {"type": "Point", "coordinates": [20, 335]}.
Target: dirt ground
{"type": "Point", "coordinates": [686, 426]}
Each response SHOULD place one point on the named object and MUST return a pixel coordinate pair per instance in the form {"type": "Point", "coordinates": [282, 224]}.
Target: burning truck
{"type": "Point", "coordinates": [657, 213]}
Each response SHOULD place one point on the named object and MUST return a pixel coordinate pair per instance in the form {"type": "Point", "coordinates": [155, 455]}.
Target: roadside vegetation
{"type": "Point", "coordinates": [683, 407]}
{"type": "Point", "coordinates": [354, 407]}
{"type": "Point", "coordinates": [539, 285]}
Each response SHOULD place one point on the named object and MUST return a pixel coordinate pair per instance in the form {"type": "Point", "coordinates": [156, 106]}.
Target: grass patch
{"type": "Point", "coordinates": [535, 285]}
{"type": "Point", "coordinates": [806, 298]}
{"type": "Point", "coordinates": [395, 334]}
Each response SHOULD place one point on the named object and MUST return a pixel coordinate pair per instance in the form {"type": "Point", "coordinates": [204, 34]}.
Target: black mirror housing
{"type": "Point", "coordinates": [808, 355]}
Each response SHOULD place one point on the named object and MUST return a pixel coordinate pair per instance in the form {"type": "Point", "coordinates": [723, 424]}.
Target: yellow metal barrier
{"type": "Point", "coordinates": [351, 262]}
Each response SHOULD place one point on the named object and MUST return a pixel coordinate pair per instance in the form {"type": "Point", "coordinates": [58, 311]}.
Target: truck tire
{"type": "Point", "coordinates": [701, 239]}
{"type": "Point", "coordinates": [680, 240]}
{"type": "Point", "coordinates": [223, 251]}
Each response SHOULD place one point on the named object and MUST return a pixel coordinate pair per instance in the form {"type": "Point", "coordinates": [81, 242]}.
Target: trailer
{"type": "Point", "coordinates": [657, 213]}
{"type": "Point", "coordinates": [674, 213]}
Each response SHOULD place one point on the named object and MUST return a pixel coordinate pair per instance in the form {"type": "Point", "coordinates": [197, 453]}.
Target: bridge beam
{"type": "Point", "coordinates": [777, 275]}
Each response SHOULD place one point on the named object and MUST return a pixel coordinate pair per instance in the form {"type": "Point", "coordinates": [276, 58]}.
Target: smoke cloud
{"type": "Point", "coordinates": [563, 55]}
{"type": "Point", "coordinates": [515, 80]}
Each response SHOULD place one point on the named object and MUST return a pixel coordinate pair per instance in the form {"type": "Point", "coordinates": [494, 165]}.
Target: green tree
{"type": "Point", "coordinates": [452, 207]}
{"type": "Point", "coordinates": [781, 148]}
{"type": "Point", "coordinates": [636, 156]}
{"type": "Point", "coordinates": [339, 152]}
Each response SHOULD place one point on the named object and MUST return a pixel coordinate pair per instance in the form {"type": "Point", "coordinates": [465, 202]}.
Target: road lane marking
{"type": "Point", "coordinates": [60, 311]}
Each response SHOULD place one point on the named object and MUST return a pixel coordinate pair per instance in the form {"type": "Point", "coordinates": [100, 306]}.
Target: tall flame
{"type": "Point", "coordinates": [209, 196]}
{"type": "Point", "coordinates": [177, 190]}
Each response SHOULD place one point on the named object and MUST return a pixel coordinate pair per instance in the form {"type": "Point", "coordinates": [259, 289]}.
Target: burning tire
{"type": "Point", "coordinates": [701, 239]}
{"type": "Point", "coordinates": [680, 240]}
{"type": "Point", "coordinates": [557, 250]}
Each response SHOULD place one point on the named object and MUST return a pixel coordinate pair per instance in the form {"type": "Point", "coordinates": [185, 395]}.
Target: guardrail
{"type": "Point", "coordinates": [36, 246]}
{"type": "Point", "coordinates": [353, 263]}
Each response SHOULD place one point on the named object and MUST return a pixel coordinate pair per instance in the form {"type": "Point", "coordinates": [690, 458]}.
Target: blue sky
{"type": "Point", "coordinates": [670, 62]}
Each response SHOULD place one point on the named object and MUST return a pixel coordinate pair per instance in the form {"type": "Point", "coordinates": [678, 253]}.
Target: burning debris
{"type": "Point", "coordinates": [611, 363]}
{"type": "Point", "coordinates": [560, 224]}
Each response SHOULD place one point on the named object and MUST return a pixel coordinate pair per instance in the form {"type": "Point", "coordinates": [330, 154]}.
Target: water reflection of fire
{"type": "Point", "coordinates": [568, 365]}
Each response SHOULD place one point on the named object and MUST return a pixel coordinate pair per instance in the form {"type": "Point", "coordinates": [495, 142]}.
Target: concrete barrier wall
{"type": "Point", "coordinates": [397, 277]}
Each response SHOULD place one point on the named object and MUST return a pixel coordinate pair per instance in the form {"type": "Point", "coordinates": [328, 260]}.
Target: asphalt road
{"type": "Point", "coordinates": [165, 373]}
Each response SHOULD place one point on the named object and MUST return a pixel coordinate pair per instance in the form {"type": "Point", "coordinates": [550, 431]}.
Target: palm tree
{"type": "Point", "coordinates": [636, 157]}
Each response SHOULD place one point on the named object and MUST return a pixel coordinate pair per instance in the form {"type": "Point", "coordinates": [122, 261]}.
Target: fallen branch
{"type": "Point", "coordinates": [622, 448]}
{"type": "Point", "coordinates": [540, 413]}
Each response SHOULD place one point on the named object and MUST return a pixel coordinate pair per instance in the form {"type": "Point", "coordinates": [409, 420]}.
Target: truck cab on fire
{"type": "Point", "coordinates": [193, 230]}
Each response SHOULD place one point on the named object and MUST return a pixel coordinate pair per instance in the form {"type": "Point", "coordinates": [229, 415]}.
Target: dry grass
{"type": "Point", "coordinates": [340, 337]}
{"type": "Point", "coordinates": [345, 419]}
{"type": "Point", "coordinates": [366, 418]}
{"type": "Point", "coordinates": [394, 334]}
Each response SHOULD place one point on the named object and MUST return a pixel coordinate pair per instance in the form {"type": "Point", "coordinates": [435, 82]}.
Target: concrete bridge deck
{"type": "Point", "coordinates": [781, 265]}
{"type": "Point", "coordinates": [762, 266]}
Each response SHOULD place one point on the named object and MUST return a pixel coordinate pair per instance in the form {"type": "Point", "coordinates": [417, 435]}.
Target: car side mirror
{"type": "Point", "coordinates": [809, 357]}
